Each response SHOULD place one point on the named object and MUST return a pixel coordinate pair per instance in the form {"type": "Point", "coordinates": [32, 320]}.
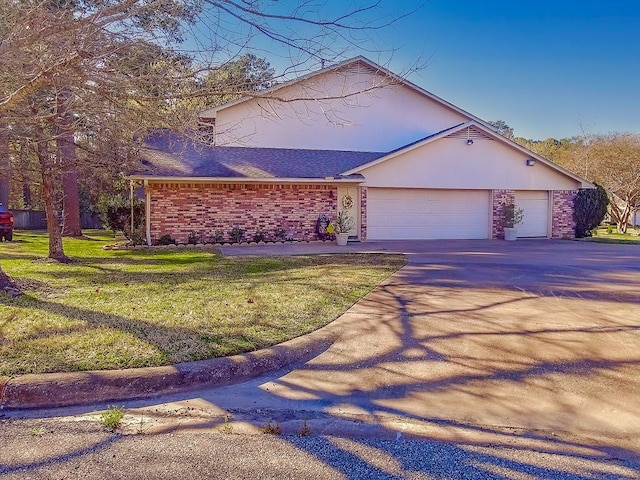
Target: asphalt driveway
{"type": "Point", "coordinates": [531, 345]}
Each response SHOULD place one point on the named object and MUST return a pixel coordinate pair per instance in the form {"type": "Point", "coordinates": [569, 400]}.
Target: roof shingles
{"type": "Point", "coordinates": [166, 154]}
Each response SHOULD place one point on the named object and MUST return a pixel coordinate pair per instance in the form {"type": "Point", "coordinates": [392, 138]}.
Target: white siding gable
{"type": "Point", "coordinates": [451, 163]}
{"type": "Point", "coordinates": [354, 108]}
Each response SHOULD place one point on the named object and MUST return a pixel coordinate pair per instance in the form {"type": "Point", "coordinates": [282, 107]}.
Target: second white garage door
{"type": "Point", "coordinates": [535, 206]}
{"type": "Point", "coordinates": [416, 214]}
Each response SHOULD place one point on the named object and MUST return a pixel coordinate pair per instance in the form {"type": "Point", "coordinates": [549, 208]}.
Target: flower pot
{"type": "Point", "coordinates": [342, 238]}
{"type": "Point", "coordinates": [510, 234]}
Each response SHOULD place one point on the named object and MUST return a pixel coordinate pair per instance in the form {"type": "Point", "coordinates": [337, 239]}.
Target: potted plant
{"type": "Point", "coordinates": [343, 225]}
{"type": "Point", "coordinates": [512, 216]}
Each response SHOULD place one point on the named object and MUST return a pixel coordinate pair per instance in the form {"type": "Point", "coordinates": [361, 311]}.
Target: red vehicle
{"type": "Point", "coordinates": [6, 225]}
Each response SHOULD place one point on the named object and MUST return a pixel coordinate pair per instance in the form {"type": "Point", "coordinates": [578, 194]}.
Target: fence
{"type": "Point", "coordinates": [37, 220]}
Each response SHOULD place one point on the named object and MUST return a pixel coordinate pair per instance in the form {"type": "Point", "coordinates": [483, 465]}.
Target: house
{"type": "Point", "coordinates": [402, 162]}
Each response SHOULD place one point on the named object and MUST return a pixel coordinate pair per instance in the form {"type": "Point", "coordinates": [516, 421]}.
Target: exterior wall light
{"type": "Point", "coordinates": [469, 141]}
{"type": "Point", "coordinates": [530, 162]}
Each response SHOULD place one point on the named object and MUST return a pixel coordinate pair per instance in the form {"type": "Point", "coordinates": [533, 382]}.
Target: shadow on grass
{"type": "Point", "coordinates": [172, 270]}
{"type": "Point", "coordinates": [147, 341]}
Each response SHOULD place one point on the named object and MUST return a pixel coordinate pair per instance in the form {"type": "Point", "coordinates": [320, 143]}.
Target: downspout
{"type": "Point", "coordinates": [147, 216]}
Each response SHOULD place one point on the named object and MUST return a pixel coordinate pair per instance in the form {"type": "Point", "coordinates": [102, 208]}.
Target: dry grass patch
{"type": "Point", "coordinates": [123, 309]}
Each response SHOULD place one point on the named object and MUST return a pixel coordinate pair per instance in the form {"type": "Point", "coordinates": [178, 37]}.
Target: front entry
{"type": "Point", "coordinates": [349, 202]}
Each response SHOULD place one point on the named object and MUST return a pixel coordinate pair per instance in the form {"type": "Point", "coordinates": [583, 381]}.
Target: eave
{"type": "Point", "coordinates": [353, 179]}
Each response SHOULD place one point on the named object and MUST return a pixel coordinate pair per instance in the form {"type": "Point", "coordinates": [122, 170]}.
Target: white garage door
{"type": "Point", "coordinates": [415, 214]}
{"type": "Point", "coordinates": [535, 205]}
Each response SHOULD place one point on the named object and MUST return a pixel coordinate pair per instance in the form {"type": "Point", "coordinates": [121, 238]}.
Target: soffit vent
{"type": "Point", "coordinates": [472, 132]}
{"type": "Point", "coordinates": [359, 68]}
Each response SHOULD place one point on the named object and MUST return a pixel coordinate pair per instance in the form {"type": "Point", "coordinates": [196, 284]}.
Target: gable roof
{"type": "Point", "coordinates": [472, 129]}
{"type": "Point", "coordinates": [394, 78]}
{"type": "Point", "coordinates": [168, 155]}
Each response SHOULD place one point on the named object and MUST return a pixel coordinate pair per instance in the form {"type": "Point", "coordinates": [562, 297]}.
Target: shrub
{"type": "Point", "coordinates": [236, 234]}
{"type": "Point", "coordinates": [137, 237]}
{"type": "Point", "coordinates": [193, 238]}
{"type": "Point", "coordinates": [259, 237]}
{"type": "Point", "coordinates": [166, 239]}
{"type": "Point", "coordinates": [344, 223]}
{"type": "Point", "coordinates": [279, 234]}
{"type": "Point", "coordinates": [115, 212]}
{"type": "Point", "coordinates": [589, 209]}
{"type": "Point", "coordinates": [218, 236]}
{"type": "Point", "coordinates": [511, 215]}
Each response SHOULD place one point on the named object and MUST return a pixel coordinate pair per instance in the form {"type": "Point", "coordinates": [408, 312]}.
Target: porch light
{"type": "Point", "coordinates": [530, 162]}
{"type": "Point", "coordinates": [469, 141]}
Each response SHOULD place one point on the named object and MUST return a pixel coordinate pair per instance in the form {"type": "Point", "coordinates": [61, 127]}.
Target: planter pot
{"type": "Point", "coordinates": [342, 238]}
{"type": "Point", "coordinates": [510, 234]}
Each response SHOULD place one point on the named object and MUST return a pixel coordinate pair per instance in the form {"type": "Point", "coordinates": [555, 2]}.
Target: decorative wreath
{"type": "Point", "coordinates": [347, 201]}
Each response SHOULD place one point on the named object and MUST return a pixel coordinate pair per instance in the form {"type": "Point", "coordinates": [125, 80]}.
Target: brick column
{"type": "Point", "coordinates": [498, 199]}
{"type": "Point", "coordinates": [563, 225]}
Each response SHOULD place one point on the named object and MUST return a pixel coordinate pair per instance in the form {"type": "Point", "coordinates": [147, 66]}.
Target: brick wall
{"type": "Point", "coordinates": [563, 225]}
{"type": "Point", "coordinates": [179, 209]}
{"type": "Point", "coordinates": [499, 198]}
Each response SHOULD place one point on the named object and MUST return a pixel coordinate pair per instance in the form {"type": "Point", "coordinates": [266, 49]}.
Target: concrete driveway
{"type": "Point", "coordinates": [536, 335]}
{"type": "Point", "coordinates": [531, 344]}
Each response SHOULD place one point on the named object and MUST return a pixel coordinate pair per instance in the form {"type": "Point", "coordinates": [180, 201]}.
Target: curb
{"type": "Point", "coordinates": [50, 390]}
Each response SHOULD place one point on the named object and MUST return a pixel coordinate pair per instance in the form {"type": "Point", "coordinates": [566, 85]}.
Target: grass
{"type": "Point", "coordinates": [601, 236]}
{"type": "Point", "coordinates": [272, 428]}
{"type": "Point", "coordinates": [113, 309]}
{"type": "Point", "coordinates": [112, 417]}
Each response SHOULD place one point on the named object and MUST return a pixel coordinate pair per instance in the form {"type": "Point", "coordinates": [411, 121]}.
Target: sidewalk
{"type": "Point", "coordinates": [304, 248]}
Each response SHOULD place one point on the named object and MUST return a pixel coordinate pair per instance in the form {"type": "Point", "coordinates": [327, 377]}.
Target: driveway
{"type": "Point", "coordinates": [531, 345]}
{"type": "Point", "coordinates": [534, 335]}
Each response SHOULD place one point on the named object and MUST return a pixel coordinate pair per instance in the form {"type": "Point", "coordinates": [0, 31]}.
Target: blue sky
{"type": "Point", "coordinates": [545, 67]}
{"type": "Point", "coordinates": [548, 68]}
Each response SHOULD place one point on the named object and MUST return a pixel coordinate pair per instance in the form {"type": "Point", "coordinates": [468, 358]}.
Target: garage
{"type": "Point", "coordinates": [535, 205]}
{"type": "Point", "coordinates": [416, 214]}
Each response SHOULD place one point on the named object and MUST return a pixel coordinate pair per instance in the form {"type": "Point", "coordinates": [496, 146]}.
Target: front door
{"type": "Point", "coordinates": [349, 202]}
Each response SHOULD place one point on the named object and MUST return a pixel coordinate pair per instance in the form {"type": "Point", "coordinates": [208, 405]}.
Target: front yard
{"type": "Point", "coordinates": [121, 309]}
{"type": "Point", "coordinates": [603, 235]}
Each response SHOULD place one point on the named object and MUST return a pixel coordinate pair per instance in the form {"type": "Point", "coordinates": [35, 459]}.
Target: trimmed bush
{"type": "Point", "coordinates": [589, 209]}
{"type": "Point", "coordinates": [236, 234]}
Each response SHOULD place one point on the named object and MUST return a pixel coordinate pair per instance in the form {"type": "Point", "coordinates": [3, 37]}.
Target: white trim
{"type": "Point", "coordinates": [328, 181]}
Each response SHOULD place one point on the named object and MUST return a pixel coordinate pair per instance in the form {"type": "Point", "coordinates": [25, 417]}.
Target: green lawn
{"type": "Point", "coordinates": [121, 309]}
{"type": "Point", "coordinates": [601, 236]}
